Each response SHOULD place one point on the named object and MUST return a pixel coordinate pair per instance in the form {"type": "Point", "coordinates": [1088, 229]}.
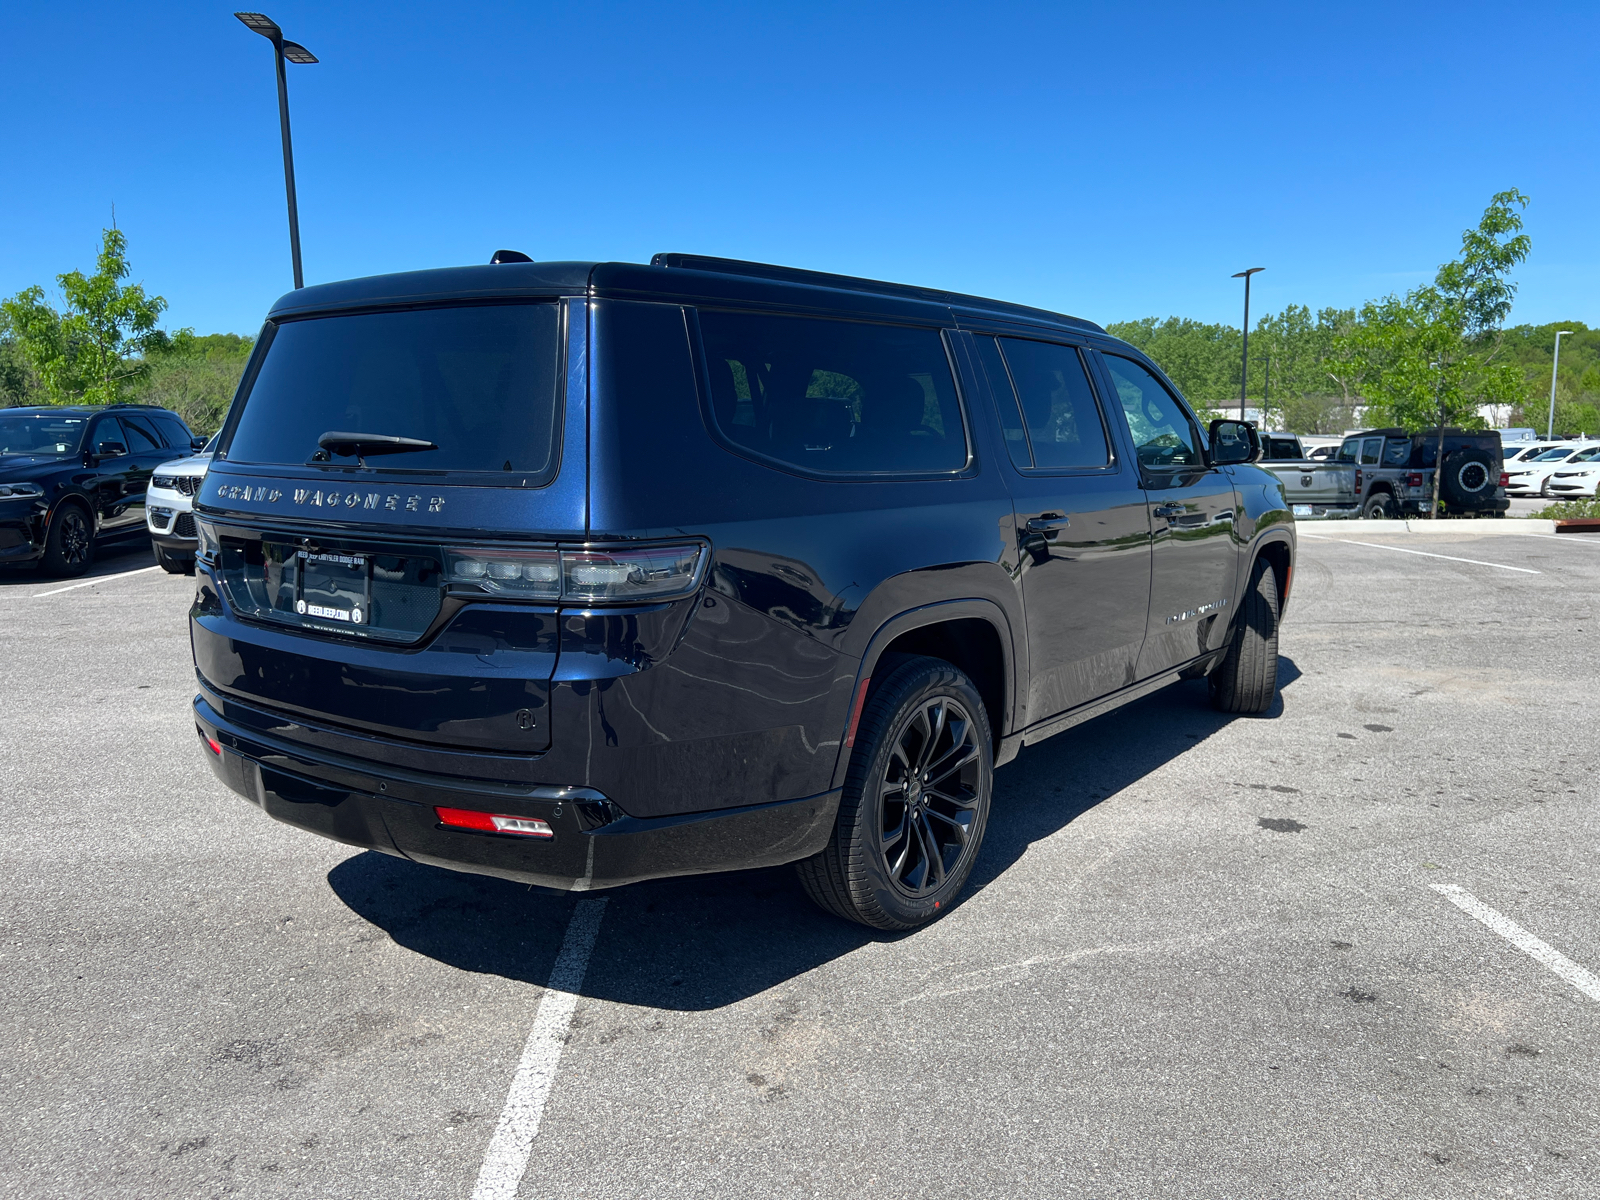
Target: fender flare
{"type": "Point", "coordinates": [83, 500]}
{"type": "Point", "coordinates": [936, 613]}
{"type": "Point", "coordinates": [1275, 536]}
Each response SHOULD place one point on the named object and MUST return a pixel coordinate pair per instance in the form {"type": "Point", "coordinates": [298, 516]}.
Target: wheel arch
{"type": "Point", "coordinates": [1279, 554]}
{"type": "Point", "coordinates": [973, 634]}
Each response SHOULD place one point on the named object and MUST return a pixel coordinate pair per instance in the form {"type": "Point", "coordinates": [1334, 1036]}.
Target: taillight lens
{"type": "Point", "coordinates": [583, 576]}
{"type": "Point", "coordinates": [466, 818]}
{"type": "Point", "coordinates": [1505, 478]}
{"type": "Point", "coordinates": [1414, 479]}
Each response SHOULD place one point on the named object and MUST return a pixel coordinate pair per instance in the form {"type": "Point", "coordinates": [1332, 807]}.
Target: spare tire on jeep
{"type": "Point", "coordinates": [1469, 479]}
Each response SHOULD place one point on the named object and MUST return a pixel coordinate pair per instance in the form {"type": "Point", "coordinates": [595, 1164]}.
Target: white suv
{"type": "Point", "coordinates": [168, 509]}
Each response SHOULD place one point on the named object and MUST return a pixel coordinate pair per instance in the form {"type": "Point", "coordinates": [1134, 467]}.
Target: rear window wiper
{"type": "Point", "coordinates": [362, 444]}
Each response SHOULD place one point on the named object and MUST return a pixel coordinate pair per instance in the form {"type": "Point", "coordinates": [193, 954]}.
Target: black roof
{"type": "Point", "coordinates": [682, 275]}
{"type": "Point", "coordinates": [1449, 431]}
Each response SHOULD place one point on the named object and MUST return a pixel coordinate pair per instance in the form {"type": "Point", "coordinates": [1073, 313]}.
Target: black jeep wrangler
{"type": "Point", "coordinates": [587, 573]}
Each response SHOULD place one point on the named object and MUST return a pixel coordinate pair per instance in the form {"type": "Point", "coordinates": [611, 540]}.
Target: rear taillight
{"type": "Point", "coordinates": [581, 576]}
{"type": "Point", "coordinates": [482, 822]}
{"type": "Point", "coordinates": [1358, 479]}
{"type": "Point", "coordinates": [1414, 479]}
{"type": "Point", "coordinates": [1505, 478]}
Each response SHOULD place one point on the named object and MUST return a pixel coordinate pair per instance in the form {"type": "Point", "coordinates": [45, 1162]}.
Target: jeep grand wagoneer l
{"type": "Point", "coordinates": [587, 573]}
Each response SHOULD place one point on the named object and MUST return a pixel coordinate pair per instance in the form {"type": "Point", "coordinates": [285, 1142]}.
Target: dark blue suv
{"type": "Point", "coordinates": [587, 573]}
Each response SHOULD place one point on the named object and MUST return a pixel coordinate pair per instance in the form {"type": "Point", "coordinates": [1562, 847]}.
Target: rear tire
{"type": "Point", "coordinates": [1246, 681]}
{"type": "Point", "coordinates": [1378, 508]}
{"type": "Point", "coordinates": [68, 543]}
{"type": "Point", "coordinates": [915, 803]}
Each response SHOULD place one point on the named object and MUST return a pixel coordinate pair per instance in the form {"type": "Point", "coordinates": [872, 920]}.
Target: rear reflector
{"type": "Point", "coordinates": [466, 818]}
{"type": "Point", "coordinates": [855, 712]}
{"type": "Point", "coordinates": [211, 742]}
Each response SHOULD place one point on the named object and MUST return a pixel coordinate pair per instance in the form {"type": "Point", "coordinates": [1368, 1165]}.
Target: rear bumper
{"type": "Point", "coordinates": [596, 844]}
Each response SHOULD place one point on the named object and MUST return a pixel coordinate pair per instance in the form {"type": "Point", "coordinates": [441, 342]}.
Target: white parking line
{"type": "Point", "coordinates": [92, 582]}
{"type": "Point", "coordinates": [1402, 550]}
{"type": "Point", "coordinates": [1584, 980]}
{"type": "Point", "coordinates": [512, 1144]}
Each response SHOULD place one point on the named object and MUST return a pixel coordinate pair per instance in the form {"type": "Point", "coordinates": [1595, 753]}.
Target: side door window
{"type": "Point", "coordinates": [142, 437]}
{"type": "Point", "coordinates": [1349, 451]}
{"type": "Point", "coordinates": [107, 429]}
{"type": "Point", "coordinates": [1061, 419]}
{"type": "Point", "coordinates": [1371, 452]}
{"type": "Point", "coordinates": [1163, 435]}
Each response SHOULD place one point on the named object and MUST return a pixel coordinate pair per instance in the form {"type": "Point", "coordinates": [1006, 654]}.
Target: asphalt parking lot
{"type": "Point", "coordinates": [1202, 956]}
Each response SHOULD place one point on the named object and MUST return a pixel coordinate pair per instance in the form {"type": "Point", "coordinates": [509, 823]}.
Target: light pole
{"type": "Point", "coordinates": [295, 53]}
{"type": "Point", "coordinates": [1438, 451]}
{"type": "Point", "coordinates": [1244, 370]}
{"type": "Point", "coordinates": [1550, 429]}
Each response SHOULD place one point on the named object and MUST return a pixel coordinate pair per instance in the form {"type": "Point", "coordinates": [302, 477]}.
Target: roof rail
{"type": "Point", "coordinates": [853, 283]}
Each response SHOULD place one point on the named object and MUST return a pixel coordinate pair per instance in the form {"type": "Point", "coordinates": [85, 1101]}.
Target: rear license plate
{"type": "Point", "coordinates": [1302, 510]}
{"type": "Point", "coordinates": [334, 587]}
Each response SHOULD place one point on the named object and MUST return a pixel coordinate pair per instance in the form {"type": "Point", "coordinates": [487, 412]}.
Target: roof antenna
{"type": "Point", "coordinates": [509, 256]}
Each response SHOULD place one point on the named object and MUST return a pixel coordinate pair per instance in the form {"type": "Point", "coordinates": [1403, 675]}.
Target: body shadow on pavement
{"type": "Point", "coordinates": [706, 941]}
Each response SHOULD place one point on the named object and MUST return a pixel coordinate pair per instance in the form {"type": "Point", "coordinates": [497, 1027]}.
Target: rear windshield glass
{"type": "Point", "coordinates": [839, 397]}
{"type": "Point", "coordinates": [480, 383]}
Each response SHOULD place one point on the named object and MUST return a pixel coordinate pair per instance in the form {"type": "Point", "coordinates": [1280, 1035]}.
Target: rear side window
{"type": "Point", "coordinates": [1397, 452]}
{"type": "Point", "coordinates": [173, 430]}
{"type": "Point", "coordinates": [1058, 406]}
{"type": "Point", "coordinates": [478, 382]}
{"type": "Point", "coordinates": [837, 397]}
{"type": "Point", "coordinates": [1371, 450]}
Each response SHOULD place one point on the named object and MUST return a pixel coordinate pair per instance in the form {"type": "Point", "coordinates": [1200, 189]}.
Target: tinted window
{"type": "Point", "coordinates": [1348, 451]}
{"type": "Point", "coordinates": [1006, 400]}
{"type": "Point", "coordinates": [479, 382]}
{"type": "Point", "coordinates": [175, 431]}
{"type": "Point", "coordinates": [108, 429]}
{"type": "Point", "coordinates": [1162, 432]}
{"type": "Point", "coordinates": [1285, 449]}
{"type": "Point", "coordinates": [142, 437]}
{"type": "Point", "coordinates": [1397, 452]}
{"type": "Point", "coordinates": [1058, 405]}
{"type": "Point", "coordinates": [1371, 449]}
{"type": "Point", "coordinates": [834, 396]}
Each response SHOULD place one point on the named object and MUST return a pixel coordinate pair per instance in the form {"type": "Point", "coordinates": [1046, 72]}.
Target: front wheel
{"type": "Point", "coordinates": [915, 803]}
{"type": "Point", "coordinates": [68, 542]}
{"type": "Point", "coordinates": [1246, 680]}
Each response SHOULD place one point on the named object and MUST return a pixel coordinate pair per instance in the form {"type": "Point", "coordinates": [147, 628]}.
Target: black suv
{"type": "Point", "coordinates": [586, 573]}
{"type": "Point", "coordinates": [74, 476]}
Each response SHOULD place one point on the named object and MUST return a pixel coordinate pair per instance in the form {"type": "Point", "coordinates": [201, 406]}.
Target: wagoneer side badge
{"type": "Point", "coordinates": [305, 497]}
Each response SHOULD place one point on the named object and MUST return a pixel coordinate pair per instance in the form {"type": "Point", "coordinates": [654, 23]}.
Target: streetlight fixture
{"type": "Point", "coordinates": [1244, 370]}
{"type": "Point", "coordinates": [294, 52]}
{"type": "Point", "coordinates": [1550, 429]}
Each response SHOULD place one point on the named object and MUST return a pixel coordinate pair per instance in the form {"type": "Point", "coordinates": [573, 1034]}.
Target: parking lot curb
{"type": "Point", "coordinates": [1445, 528]}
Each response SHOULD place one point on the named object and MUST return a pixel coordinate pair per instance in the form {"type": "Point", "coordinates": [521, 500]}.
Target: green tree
{"type": "Point", "coordinates": [194, 376]}
{"type": "Point", "coordinates": [1438, 345]}
{"type": "Point", "coordinates": [87, 353]}
{"type": "Point", "coordinates": [19, 382]}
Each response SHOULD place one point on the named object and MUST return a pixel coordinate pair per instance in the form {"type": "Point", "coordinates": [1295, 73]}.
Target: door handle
{"type": "Point", "coordinates": [1047, 522]}
{"type": "Point", "coordinates": [1170, 510]}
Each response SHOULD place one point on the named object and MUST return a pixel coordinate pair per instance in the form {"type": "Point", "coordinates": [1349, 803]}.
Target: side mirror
{"type": "Point", "coordinates": [1234, 442]}
{"type": "Point", "coordinates": [110, 450]}
{"type": "Point", "coordinates": [198, 443]}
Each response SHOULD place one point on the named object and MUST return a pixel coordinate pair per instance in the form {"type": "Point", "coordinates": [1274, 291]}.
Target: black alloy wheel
{"type": "Point", "coordinates": [929, 796]}
{"type": "Point", "coordinates": [915, 803]}
{"type": "Point", "coordinates": [69, 542]}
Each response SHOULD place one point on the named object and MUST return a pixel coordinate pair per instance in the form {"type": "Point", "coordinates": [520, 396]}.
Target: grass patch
{"type": "Point", "coordinates": [1567, 509]}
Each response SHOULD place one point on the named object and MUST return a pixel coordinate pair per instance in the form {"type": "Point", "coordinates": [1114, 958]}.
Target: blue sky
{"type": "Point", "coordinates": [1111, 161]}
